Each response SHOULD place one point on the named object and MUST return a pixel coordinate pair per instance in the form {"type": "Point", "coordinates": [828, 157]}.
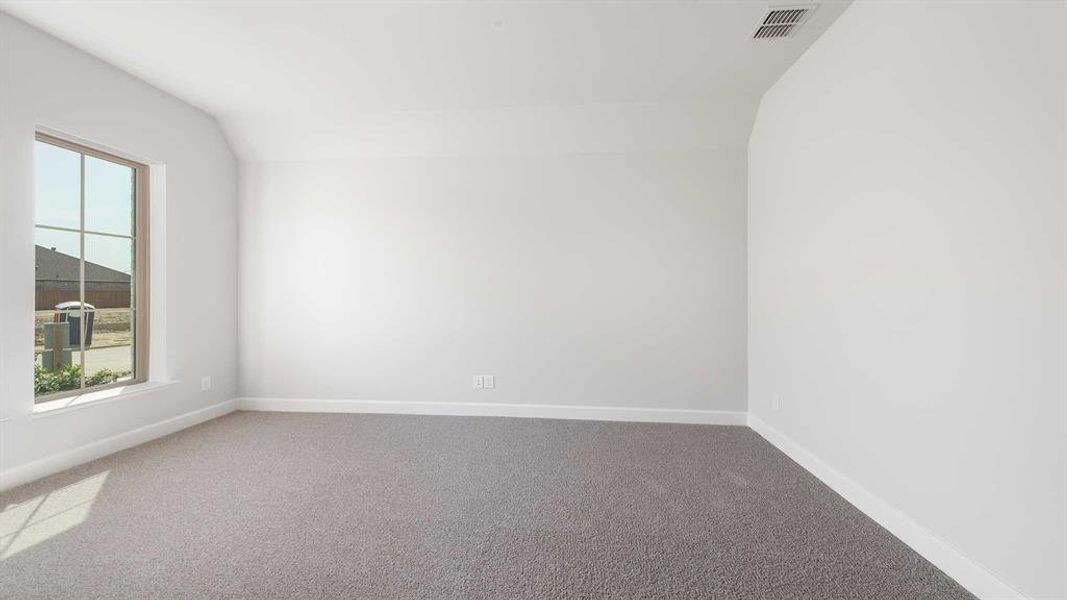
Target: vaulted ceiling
{"type": "Point", "coordinates": [308, 80]}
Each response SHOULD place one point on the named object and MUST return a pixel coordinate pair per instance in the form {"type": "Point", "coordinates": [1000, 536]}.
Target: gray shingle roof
{"type": "Point", "coordinates": [56, 266]}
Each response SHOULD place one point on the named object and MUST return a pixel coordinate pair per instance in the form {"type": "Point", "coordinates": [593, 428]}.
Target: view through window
{"type": "Point", "coordinates": [90, 318]}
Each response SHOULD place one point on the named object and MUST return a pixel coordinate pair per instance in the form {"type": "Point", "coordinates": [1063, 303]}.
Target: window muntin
{"type": "Point", "coordinates": [91, 309]}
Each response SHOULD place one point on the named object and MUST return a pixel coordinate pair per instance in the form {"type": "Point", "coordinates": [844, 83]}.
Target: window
{"type": "Point", "coordinates": [91, 319]}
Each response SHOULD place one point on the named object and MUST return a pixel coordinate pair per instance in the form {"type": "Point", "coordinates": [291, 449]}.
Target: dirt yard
{"type": "Point", "coordinates": [111, 328]}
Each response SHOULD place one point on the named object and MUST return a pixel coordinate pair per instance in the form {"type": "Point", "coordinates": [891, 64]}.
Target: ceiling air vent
{"type": "Point", "coordinates": [781, 22]}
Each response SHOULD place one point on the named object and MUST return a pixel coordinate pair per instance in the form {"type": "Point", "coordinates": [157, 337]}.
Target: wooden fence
{"type": "Point", "coordinates": [48, 299]}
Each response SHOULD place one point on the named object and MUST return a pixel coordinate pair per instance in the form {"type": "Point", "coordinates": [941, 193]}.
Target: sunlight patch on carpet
{"type": "Point", "coordinates": [29, 523]}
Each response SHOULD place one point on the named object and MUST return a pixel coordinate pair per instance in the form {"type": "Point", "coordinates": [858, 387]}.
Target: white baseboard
{"type": "Point", "coordinates": [976, 578]}
{"type": "Point", "coordinates": [485, 409]}
{"type": "Point", "coordinates": [26, 473]}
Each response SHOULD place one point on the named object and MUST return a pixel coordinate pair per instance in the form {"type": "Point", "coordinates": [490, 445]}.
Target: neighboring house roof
{"type": "Point", "coordinates": [56, 266]}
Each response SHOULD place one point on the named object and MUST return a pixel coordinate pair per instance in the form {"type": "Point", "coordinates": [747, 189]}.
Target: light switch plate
{"type": "Point", "coordinates": [479, 382]}
{"type": "Point", "coordinates": [490, 382]}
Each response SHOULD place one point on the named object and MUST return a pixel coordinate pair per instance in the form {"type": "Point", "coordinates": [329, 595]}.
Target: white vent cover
{"type": "Point", "coordinates": [781, 22]}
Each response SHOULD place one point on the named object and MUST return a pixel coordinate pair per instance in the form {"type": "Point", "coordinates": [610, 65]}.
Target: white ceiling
{"type": "Point", "coordinates": [302, 80]}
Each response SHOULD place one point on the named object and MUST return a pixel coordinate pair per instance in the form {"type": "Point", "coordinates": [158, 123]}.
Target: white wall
{"type": "Point", "coordinates": [44, 82]}
{"type": "Point", "coordinates": [907, 269]}
{"type": "Point", "coordinates": [612, 278]}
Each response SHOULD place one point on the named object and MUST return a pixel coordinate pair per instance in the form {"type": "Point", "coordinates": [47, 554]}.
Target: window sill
{"type": "Point", "coordinates": [62, 405]}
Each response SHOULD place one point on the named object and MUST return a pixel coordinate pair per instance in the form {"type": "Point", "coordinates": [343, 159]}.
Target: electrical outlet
{"type": "Point", "coordinates": [490, 382]}
{"type": "Point", "coordinates": [776, 401]}
{"type": "Point", "coordinates": [479, 382]}
{"type": "Point", "coordinates": [205, 384]}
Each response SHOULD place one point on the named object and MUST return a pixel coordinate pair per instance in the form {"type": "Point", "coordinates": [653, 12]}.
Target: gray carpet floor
{"type": "Point", "coordinates": [272, 505]}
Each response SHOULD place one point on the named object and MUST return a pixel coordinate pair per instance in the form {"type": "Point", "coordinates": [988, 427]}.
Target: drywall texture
{"type": "Point", "coordinates": [611, 279]}
{"type": "Point", "coordinates": [44, 82]}
{"type": "Point", "coordinates": [907, 270]}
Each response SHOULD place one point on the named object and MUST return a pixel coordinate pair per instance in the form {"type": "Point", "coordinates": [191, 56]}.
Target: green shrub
{"type": "Point", "coordinates": [69, 378]}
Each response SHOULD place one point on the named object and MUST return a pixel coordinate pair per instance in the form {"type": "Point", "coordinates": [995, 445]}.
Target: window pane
{"type": "Point", "coordinates": [108, 290]}
{"type": "Point", "coordinates": [108, 271]}
{"type": "Point", "coordinates": [86, 316]}
{"type": "Point", "coordinates": [109, 356]}
{"type": "Point", "coordinates": [58, 186]}
{"type": "Point", "coordinates": [55, 344]}
{"type": "Point", "coordinates": [57, 267]}
{"type": "Point", "coordinates": [108, 196]}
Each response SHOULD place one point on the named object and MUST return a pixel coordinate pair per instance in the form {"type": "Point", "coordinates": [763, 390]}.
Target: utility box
{"type": "Point", "coordinates": [71, 312]}
{"type": "Point", "coordinates": [56, 353]}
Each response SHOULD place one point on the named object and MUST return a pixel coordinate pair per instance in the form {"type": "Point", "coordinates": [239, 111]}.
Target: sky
{"type": "Point", "coordinates": [108, 206]}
